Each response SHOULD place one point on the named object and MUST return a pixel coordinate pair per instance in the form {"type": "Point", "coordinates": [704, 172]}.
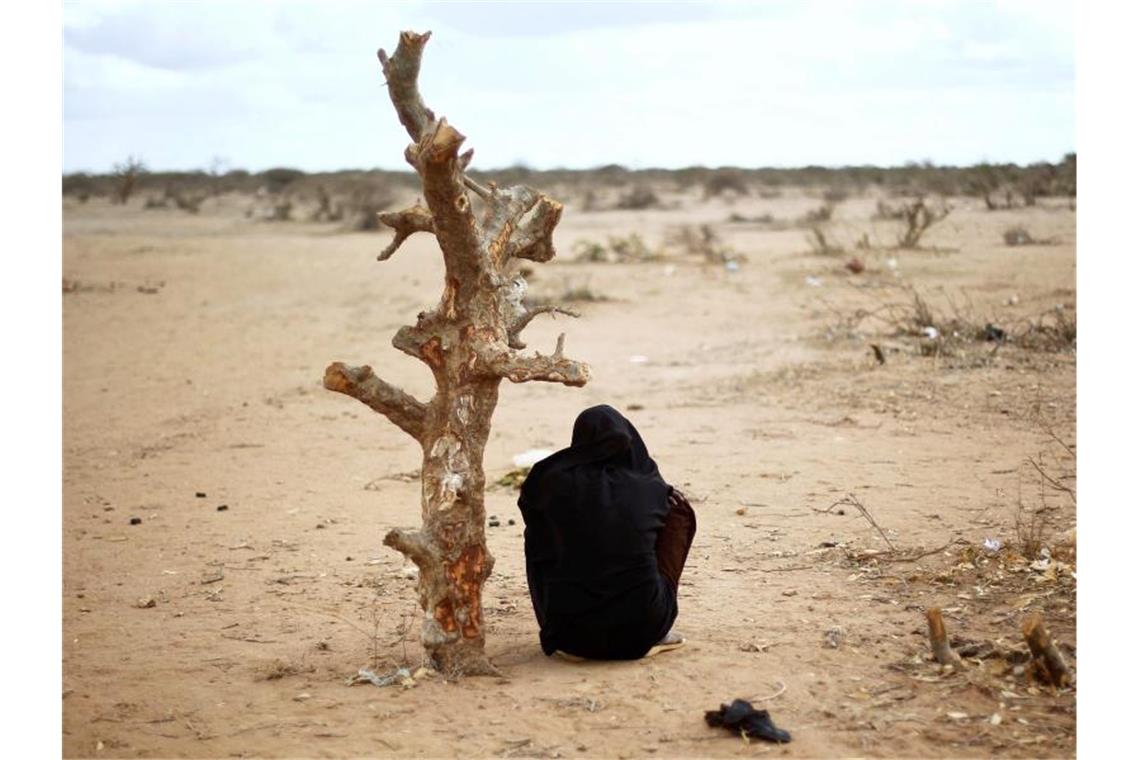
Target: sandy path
{"type": "Point", "coordinates": [212, 384]}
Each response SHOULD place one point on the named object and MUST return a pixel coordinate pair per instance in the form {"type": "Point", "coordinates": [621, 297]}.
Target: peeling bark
{"type": "Point", "coordinates": [470, 341]}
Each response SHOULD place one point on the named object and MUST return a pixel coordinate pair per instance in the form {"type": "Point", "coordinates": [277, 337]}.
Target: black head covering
{"type": "Point", "coordinates": [593, 512]}
{"type": "Point", "coordinates": [603, 442]}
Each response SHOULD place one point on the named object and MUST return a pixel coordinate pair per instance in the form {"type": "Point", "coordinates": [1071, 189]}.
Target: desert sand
{"type": "Point", "coordinates": [227, 621]}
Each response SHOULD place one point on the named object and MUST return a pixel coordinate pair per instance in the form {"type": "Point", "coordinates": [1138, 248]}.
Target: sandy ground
{"type": "Point", "coordinates": [194, 348]}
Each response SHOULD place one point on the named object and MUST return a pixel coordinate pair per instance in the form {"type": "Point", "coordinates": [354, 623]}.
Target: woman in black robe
{"type": "Point", "coordinates": [606, 539]}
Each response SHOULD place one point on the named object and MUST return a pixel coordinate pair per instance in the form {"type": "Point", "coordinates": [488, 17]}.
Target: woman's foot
{"type": "Point", "coordinates": [671, 640]}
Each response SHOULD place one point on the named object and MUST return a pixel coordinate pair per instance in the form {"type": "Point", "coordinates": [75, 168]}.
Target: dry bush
{"type": "Point", "coordinates": [127, 175]}
{"type": "Point", "coordinates": [836, 195]}
{"type": "Point", "coordinates": [191, 203]}
{"type": "Point", "coordinates": [364, 206]}
{"type": "Point", "coordinates": [944, 331]}
{"type": "Point", "coordinates": [1029, 527]}
{"type": "Point", "coordinates": [590, 250]}
{"type": "Point", "coordinates": [918, 218]}
{"type": "Point", "coordinates": [278, 668]}
{"type": "Point", "coordinates": [630, 249]}
{"type": "Point", "coordinates": [271, 209]}
{"type": "Point", "coordinates": [277, 180]}
{"type": "Point", "coordinates": [701, 241]}
{"type": "Point", "coordinates": [889, 212]}
{"type": "Point", "coordinates": [736, 218]}
{"type": "Point", "coordinates": [819, 243]}
{"type": "Point", "coordinates": [573, 290]}
{"type": "Point", "coordinates": [1014, 236]}
{"type": "Point", "coordinates": [1055, 331]}
{"type": "Point", "coordinates": [817, 215]}
{"type": "Point", "coordinates": [590, 201]}
{"type": "Point", "coordinates": [326, 211]}
{"type": "Point", "coordinates": [638, 198]}
{"type": "Point", "coordinates": [1056, 473]}
{"type": "Point", "coordinates": [725, 180]}
{"type": "Point", "coordinates": [80, 186]}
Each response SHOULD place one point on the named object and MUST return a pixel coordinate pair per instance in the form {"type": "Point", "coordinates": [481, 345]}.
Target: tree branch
{"type": "Point", "coordinates": [520, 324]}
{"type": "Point", "coordinates": [521, 369]}
{"type": "Point", "coordinates": [415, 546]}
{"type": "Point", "coordinates": [534, 238]}
{"type": "Point", "coordinates": [435, 156]}
{"type": "Point", "coordinates": [406, 223]}
{"type": "Point", "coordinates": [361, 384]}
{"type": "Point", "coordinates": [402, 71]}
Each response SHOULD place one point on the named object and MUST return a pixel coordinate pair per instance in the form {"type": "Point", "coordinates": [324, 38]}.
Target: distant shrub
{"type": "Point", "coordinates": [276, 180]}
{"type": "Point", "coordinates": [818, 215]}
{"type": "Point", "coordinates": [127, 173]}
{"type": "Point", "coordinates": [638, 198]}
{"type": "Point", "coordinates": [1017, 236]}
{"type": "Point", "coordinates": [724, 180]}
{"type": "Point", "coordinates": [884, 210]}
{"type": "Point", "coordinates": [835, 195]}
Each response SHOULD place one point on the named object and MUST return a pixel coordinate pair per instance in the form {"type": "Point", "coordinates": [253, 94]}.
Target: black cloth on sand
{"type": "Point", "coordinates": [741, 716]}
{"type": "Point", "coordinates": [592, 514]}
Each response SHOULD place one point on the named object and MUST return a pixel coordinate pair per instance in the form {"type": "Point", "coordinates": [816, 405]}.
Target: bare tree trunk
{"type": "Point", "coordinates": [470, 341]}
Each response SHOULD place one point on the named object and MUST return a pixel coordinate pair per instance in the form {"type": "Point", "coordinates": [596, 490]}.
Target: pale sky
{"type": "Point", "coordinates": [296, 82]}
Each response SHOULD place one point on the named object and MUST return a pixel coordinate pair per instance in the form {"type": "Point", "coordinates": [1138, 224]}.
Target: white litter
{"type": "Point", "coordinates": [930, 332]}
{"type": "Point", "coordinates": [638, 359]}
{"type": "Point", "coordinates": [530, 457]}
{"type": "Point", "coordinates": [812, 282]}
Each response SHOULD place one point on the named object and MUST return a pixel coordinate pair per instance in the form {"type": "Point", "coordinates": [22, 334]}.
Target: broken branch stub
{"type": "Point", "coordinates": [1045, 652]}
{"type": "Point", "coordinates": [471, 342]}
{"type": "Point", "coordinates": [939, 644]}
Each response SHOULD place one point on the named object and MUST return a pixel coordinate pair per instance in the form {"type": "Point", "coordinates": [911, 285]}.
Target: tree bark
{"type": "Point", "coordinates": [470, 341]}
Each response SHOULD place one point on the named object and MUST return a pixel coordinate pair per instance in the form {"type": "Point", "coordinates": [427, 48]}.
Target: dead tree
{"type": "Point", "coordinates": [127, 173]}
{"type": "Point", "coordinates": [470, 342]}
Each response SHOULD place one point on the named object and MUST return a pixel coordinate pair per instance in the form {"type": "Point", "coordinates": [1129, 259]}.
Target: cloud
{"type": "Point", "coordinates": [297, 83]}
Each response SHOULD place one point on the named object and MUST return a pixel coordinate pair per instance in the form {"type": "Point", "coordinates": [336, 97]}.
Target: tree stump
{"type": "Point", "coordinates": [470, 341]}
{"type": "Point", "coordinates": [1048, 658]}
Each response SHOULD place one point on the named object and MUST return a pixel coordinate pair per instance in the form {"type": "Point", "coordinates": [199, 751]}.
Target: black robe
{"type": "Point", "coordinates": [592, 514]}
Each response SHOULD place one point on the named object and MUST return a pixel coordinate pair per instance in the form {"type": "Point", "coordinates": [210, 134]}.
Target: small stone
{"type": "Point", "coordinates": [136, 521]}
{"type": "Point", "coordinates": [146, 602]}
{"type": "Point", "coordinates": [348, 559]}
{"type": "Point", "coordinates": [511, 521]}
{"type": "Point", "coordinates": [833, 637]}
{"type": "Point", "coordinates": [320, 526]}
{"type": "Point", "coordinates": [223, 507]}
{"type": "Point", "coordinates": [493, 522]}
{"type": "Point", "coordinates": [302, 696]}
{"type": "Point", "coordinates": [199, 494]}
